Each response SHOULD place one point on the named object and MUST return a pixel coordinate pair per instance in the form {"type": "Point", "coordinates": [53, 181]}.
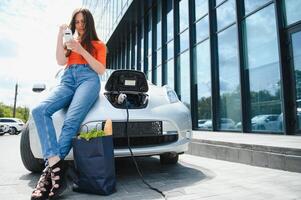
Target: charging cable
{"type": "Point", "coordinates": [123, 97]}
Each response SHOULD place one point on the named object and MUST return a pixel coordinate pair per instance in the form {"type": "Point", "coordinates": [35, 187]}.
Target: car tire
{"type": "Point", "coordinates": [169, 158]}
{"type": "Point", "coordinates": [1, 134]}
{"type": "Point", "coordinates": [12, 131]}
{"type": "Point", "coordinates": [29, 161]}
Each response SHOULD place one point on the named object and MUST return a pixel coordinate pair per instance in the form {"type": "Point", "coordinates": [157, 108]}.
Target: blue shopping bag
{"type": "Point", "coordinates": [95, 165]}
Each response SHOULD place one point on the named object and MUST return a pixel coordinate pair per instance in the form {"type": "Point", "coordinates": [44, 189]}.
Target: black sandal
{"type": "Point", "coordinates": [58, 179]}
{"type": "Point", "coordinates": [44, 186]}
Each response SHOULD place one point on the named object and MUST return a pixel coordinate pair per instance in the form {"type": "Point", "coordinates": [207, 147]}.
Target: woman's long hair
{"type": "Point", "coordinates": [90, 32]}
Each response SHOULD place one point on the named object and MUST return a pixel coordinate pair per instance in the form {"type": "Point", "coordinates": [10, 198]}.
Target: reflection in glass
{"type": "Point", "coordinates": [225, 14]}
{"type": "Point", "coordinates": [201, 8]}
{"type": "Point", "coordinates": [184, 40]}
{"type": "Point", "coordinates": [202, 29]}
{"type": "Point", "coordinates": [149, 30]}
{"type": "Point", "coordinates": [230, 107]}
{"type": "Point", "coordinates": [159, 75]}
{"type": "Point", "coordinates": [170, 50]}
{"type": "Point", "coordinates": [150, 68]}
{"type": "Point", "coordinates": [159, 32]}
{"type": "Point", "coordinates": [263, 60]}
{"type": "Point", "coordinates": [296, 41]}
{"type": "Point", "coordinates": [159, 57]}
{"type": "Point", "coordinates": [170, 29]}
{"type": "Point", "coordinates": [292, 9]}
{"type": "Point", "coordinates": [251, 5]}
{"type": "Point", "coordinates": [149, 75]}
{"type": "Point", "coordinates": [185, 78]}
{"type": "Point", "coordinates": [202, 54]}
{"type": "Point", "coordinates": [183, 13]}
{"type": "Point", "coordinates": [218, 2]}
{"type": "Point", "coordinates": [170, 74]}
{"type": "Point", "coordinates": [134, 61]}
{"type": "Point", "coordinates": [142, 42]}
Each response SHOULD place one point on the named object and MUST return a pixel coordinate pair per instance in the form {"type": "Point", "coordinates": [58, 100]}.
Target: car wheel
{"type": "Point", "coordinates": [12, 131]}
{"type": "Point", "coordinates": [169, 158]}
{"type": "Point", "coordinates": [29, 161]}
{"type": "Point", "coordinates": [1, 134]}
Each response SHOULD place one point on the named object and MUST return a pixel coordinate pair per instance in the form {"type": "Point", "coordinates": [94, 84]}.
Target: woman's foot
{"type": "Point", "coordinates": [58, 179]}
{"type": "Point", "coordinates": [43, 187]}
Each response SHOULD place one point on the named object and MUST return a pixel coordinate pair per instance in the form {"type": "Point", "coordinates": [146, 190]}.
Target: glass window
{"type": "Point", "coordinates": [202, 29]}
{"type": "Point", "coordinates": [218, 2]}
{"type": "Point", "coordinates": [159, 32]}
{"type": "Point", "coordinates": [203, 65]}
{"type": "Point", "coordinates": [201, 8]}
{"type": "Point", "coordinates": [225, 14]}
{"type": "Point", "coordinates": [183, 14]}
{"type": "Point", "coordinates": [296, 41]}
{"type": "Point", "coordinates": [149, 31]}
{"type": "Point", "coordinates": [184, 40]}
{"type": "Point", "coordinates": [129, 52]}
{"type": "Point", "coordinates": [170, 74]}
{"type": "Point", "coordinates": [251, 5]}
{"type": "Point", "coordinates": [263, 60]}
{"type": "Point", "coordinates": [134, 56]}
{"type": "Point", "coordinates": [185, 78]}
{"type": "Point", "coordinates": [170, 25]}
{"type": "Point", "coordinates": [124, 2]}
{"type": "Point", "coordinates": [142, 40]}
{"type": "Point", "coordinates": [292, 9]}
{"type": "Point", "coordinates": [230, 106]}
{"type": "Point", "coordinates": [159, 57]}
{"type": "Point", "coordinates": [170, 50]}
{"type": "Point", "coordinates": [149, 76]}
{"type": "Point", "coordinates": [159, 75]}
{"type": "Point", "coordinates": [149, 63]}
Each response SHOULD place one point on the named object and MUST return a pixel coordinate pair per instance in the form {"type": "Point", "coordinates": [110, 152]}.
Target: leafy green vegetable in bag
{"type": "Point", "coordinates": [94, 133]}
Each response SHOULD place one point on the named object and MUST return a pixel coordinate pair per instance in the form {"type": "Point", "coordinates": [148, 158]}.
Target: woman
{"type": "Point", "coordinates": [78, 89]}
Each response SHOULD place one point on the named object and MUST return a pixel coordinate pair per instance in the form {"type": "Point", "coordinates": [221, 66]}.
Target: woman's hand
{"type": "Point", "coordinates": [62, 28]}
{"type": "Point", "coordinates": [75, 46]}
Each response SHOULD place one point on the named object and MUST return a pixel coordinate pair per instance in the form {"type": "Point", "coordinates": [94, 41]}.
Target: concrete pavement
{"type": "Point", "coordinates": [193, 178]}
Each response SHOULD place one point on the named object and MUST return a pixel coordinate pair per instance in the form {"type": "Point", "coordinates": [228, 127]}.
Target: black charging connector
{"type": "Point", "coordinates": [132, 155]}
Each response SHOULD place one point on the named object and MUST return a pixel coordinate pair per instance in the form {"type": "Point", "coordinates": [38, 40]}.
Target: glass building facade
{"type": "Point", "coordinates": [236, 64]}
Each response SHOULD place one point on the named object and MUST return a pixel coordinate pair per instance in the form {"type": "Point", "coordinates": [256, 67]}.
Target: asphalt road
{"type": "Point", "coordinates": [192, 178]}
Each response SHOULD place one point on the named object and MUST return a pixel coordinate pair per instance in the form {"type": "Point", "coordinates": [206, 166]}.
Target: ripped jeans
{"type": "Point", "coordinates": [79, 89]}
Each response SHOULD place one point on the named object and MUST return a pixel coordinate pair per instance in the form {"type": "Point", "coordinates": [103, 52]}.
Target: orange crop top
{"type": "Point", "coordinates": [100, 55]}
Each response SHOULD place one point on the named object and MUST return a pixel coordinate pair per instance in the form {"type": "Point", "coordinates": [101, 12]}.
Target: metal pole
{"type": "Point", "coordinates": [15, 101]}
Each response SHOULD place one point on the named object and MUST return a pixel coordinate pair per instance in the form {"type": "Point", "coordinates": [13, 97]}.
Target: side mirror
{"type": "Point", "coordinates": [38, 87]}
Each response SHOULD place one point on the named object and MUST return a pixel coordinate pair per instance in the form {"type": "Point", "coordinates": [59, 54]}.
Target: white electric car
{"type": "Point", "coordinates": [15, 125]}
{"type": "Point", "coordinates": [159, 124]}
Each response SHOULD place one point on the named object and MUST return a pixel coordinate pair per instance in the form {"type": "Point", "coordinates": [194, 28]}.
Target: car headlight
{"type": "Point", "coordinates": [171, 94]}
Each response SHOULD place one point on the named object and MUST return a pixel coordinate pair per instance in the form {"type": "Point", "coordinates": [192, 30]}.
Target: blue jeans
{"type": "Point", "coordinates": [79, 89]}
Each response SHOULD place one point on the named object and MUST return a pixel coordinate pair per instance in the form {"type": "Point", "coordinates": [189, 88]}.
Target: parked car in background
{"type": "Point", "coordinates": [15, 125]}
{"type": "Point", "coordinates": [265, 122]}
{"type": "Point", "coordinates": [225, 123]}
{"type": "Point", "coordinates": [4, 129]}
{"type": "Point", "coordinates": [201, 122]}
{"type": "Point", "coordinates": [270, 122]}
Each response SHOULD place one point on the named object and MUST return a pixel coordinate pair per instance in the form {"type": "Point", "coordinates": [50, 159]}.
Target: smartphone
{"type": "Point", "coordinates": [68, 36]}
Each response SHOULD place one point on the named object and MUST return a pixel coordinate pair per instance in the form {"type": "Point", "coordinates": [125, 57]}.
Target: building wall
{"type": "Point", "coordinates": [235, 64]}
